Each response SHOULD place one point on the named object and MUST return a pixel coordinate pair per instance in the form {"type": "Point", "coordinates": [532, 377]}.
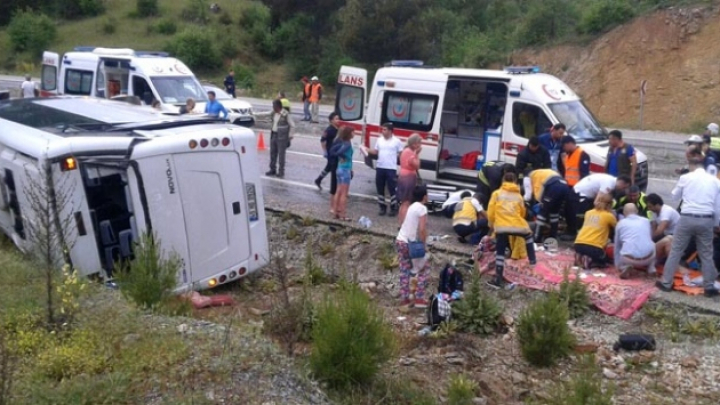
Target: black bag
{"type": "Point", "coordinates": [433, 313]}
{"type": "Point", "coordinates": [451, 280]}
{"type": "Point", "coordinates": [635, 342]}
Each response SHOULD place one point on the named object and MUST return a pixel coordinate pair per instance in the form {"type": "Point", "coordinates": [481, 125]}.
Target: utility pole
{"type": "Point", "coordinates": [643, 89]}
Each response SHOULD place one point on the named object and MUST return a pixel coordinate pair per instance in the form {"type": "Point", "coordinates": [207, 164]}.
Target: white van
{"type": "Point", "coordinates": [486, 113]}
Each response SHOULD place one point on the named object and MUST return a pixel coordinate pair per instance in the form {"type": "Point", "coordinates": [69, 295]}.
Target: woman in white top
{"type": "Point", "coordinates": [414, 228]}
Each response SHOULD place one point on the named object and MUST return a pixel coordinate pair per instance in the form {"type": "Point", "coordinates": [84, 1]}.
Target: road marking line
{"type": "Point", "coordinates": [307, 185]}
{"type": "Point", "coordinates": [319, 156]}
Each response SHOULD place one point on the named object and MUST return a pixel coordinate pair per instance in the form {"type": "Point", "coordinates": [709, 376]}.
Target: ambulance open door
{"type": "Point", "coordinates": [350, 99]}
{"type": "Point", "coordinates": [49, 75]}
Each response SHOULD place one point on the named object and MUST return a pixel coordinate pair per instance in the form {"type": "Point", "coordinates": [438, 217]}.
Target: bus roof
{"type": "Point", "coordinates": [59, 113]}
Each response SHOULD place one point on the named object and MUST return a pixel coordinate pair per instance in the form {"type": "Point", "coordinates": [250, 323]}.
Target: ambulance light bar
{"type": "Point", "coordinates": [406, 63]}
{"type": "Point", "coordinates": [522, 69]}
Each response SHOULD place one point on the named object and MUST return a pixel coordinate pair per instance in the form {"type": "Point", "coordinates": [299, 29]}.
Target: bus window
{"type": "Point", "coordinates": [529, 120]}
{"type": "Point", "coordinates": [78, 82]}
{"type": "Point", "coordinates": [14, 204]}
{"type": "Point", "coordinates": [409, 111]}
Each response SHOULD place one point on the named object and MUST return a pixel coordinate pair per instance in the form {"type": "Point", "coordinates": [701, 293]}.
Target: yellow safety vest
{"type": "Point", "coordinates": [715, 143]}
{"type": "Point", "coordinates": [464, 213]}
{"type": "Point", "coordinates": [538, 178]}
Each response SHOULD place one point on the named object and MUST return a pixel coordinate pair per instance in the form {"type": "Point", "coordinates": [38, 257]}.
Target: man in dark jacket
{"type": "Point", "coordinates": [534, 157]}
{"type": "Point", "coordinates": [229, 83]}
{"type": "Point", "coordinates": [490, 178]}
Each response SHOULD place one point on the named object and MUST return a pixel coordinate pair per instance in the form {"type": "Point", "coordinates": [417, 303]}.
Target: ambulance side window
{"type": "Point", "coordinates": [529, 120]}
{"type": "Point", "coordinates": [78, 82]}
{"type": "Point", "coordinates": [350, 102]}
{"type": "Point", "coordinates": [411, 111]}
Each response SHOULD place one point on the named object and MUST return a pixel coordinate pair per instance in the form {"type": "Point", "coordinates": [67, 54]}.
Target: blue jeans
{"type": "Point", "coordinates": [306, 110]}
{"type": "Point", "coordinates": [343, 175]}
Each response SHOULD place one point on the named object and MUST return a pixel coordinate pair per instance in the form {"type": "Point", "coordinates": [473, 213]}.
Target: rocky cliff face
{"type": "Point", "coordinates": [676, 50]}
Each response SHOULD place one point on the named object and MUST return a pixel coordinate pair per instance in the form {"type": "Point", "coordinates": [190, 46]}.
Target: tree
{"type": "Point", "coordinates": [546, 21]}
{"type": "Point", "coordinates": [31, 32]}
{"type": "Point", "coordinates": [49, 225]}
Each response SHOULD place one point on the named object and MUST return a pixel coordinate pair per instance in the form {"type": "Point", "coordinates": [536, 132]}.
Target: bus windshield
{"type": "Point", "coordinates": [176, 90]}
{"type": "Point", "coordinates": [580, 122]}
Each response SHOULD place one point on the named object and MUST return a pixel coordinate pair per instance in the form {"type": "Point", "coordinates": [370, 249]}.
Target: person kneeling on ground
{"type": "Point", "coordinates": [448, 207]}
{"type": "Point", "coordinates": [506, 214]}
{"type": "Point", "coordinates": [634, 246]}
{"type": "Point", "coordinates": [594, 234]}
{"type": "Point", "coordinates": [469, 218]}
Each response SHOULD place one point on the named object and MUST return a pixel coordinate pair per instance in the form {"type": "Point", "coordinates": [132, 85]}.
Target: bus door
{"type": "Point", "coordinates": [49, 74]}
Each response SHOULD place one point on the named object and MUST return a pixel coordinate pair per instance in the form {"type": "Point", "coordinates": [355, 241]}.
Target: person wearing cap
{"type": "Point", "coordinates": [550, 190]}
{"type": "Point", "coordinates": [386, 151]}
{"type": "Point", "coordinates": [700, 195]}
{"type": "Point", "coordinates": [574, 164]}
{"type": "Point", "coordinates": [305, 98]}
{"type": "Point", "coordinates": [712, 129]}
{"type": "Point", "coordinates": [534, 157]}
{"type": "Point", "coordinates": [634, 246]}
{"type": "Point", "coordinates": [552, 141]}
{"type": "Point", "coordinates": [702, 144]}
{"type": "Point", "coordinates": [621, 157]}
{"type": "Point", "coordinates": [637, 198]}
{"type": "Point", "coordinates": [314, 97]}
{"type": "Point", "coordinates": [284, 101]}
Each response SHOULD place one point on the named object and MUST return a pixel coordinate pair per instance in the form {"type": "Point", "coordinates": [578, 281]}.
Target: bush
{"type": "Point", "coordinates": [461, 390]}
{"type": "Point", "coordinates": [351, 340]}
{"type": "Point", "coordinates": [109, 25]}
{"type": "Point", "coordinates": [244, 77]}
{"type": "Point", "coordinates": [225, 18]}
{"type": "Point", "coordinates": [147, 8]}
{"type": "Point", "coordinates": [543, 332]}
{"type": "Point", "coordinates": [602, 15]}
{"type": "Point", "coordinates": [72, 9]}
{"type": "Point", "coordinates": [255, 20]}
{"type": "Point", "coordinates": [586, 387]}
{"type": "Point", "coordinates": [196, 47]}
{"type": "Point", "coordinates": [82, 352]}
{"type": "Point", "coordinates": [196, 11]}
{"type": "Point", "coordinates": [31, 32]}
{"type": "Point", "coordinates": [575, 295]}
{"type": "Point", "coordinates": [477, 313]}
{"type": "Point", "coordinates": [151, 277]}
{"type": "Point", "coordinates": [166, 27]}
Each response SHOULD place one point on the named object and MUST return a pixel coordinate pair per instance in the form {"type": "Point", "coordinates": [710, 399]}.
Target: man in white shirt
{"type": "Point", "coordinates": [664, 220]}
{"type": "Point", "coordinates": [583, 197]}
{"type": "Point", "coordinates": [387, 149]}
{"type": "Point", "coordinates": [28, 87]}
{"type": "Point", "coordinates": [633, 243]}
{"type": "Point", "coordinates": [448, 207]}
{"type": "Point", "coordinates": [700, 194]}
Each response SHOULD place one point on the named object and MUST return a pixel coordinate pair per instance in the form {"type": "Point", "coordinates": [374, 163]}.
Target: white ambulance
{"type": "Point", "coordinates": [120, 73]}
{"type": "Point", "coordinates": [469, 116]}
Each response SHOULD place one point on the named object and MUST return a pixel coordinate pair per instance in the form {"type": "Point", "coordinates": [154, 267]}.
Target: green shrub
{"type": "Point", "coordinates": [255, 20]}
{"type": "Point", "coordinates": [244, 77]}
{"type": "Point", "coordinates": [151, 276]}
{"type": "Point", "coordinates": [109, 25]}
{"type": "Point", "coordinates": [461, 390]}
{"type": "Point", "coordinates": [196, 47]}
{"type": "Point", "coordinates": [72, 9]}
{"type": "Point", "coordinates": [196, 11]}
{"type": "Point", "coordinates": [575, 295]}
{"type": "Point", "coordinates": [543, 332]}
{"type": "Point", "coordinates": [602, 15]}
{"type": "Point", "coordinates": [31, 32]}
{"type": "Point", "coordinates": [166, 27]}
{"type": "Point", "coordinates": [477, 313]}
{"type": "Point", "coordinates": [586, 387]}
{"type": "Point", "coordinates": [82, 352]}
{"type": "Point", "coordinates": [147, 8]}
{"type": "Point", "coordinates": [225, 18]}
{"type": "Point", "coordinates": [351, 339]}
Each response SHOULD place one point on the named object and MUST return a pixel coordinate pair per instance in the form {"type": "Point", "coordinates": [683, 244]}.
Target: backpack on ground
{"type": "Point", "coordinates": [437, 312]}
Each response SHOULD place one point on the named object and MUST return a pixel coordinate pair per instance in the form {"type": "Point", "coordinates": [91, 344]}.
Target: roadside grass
{"type": "Point", "coordinates": [116, 354]}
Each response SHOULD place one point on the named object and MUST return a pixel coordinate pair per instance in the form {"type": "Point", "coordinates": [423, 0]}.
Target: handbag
{"type": "Point", "coordinates": [417, 249]}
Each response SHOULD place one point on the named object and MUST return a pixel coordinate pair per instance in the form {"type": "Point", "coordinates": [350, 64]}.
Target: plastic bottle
{"type": "Point", "coordinates": [365, 222]}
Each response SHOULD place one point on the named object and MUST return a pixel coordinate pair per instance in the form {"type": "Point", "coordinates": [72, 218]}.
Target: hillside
{"type": "Point", "coordinates": [676, 50]}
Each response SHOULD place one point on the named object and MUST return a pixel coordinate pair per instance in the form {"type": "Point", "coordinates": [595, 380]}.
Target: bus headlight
{"type": "Point", "coordinates": [251, 196]}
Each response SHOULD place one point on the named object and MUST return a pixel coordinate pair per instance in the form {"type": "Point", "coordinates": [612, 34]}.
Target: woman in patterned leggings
{"type": "Point", "coordinates": [414, 228]}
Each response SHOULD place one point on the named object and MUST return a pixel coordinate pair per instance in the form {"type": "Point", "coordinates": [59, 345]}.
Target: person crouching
{"type": "Point", "coordinates": [506, 214]}
{"type": "Point", "coordinates": [593, 236]}
{"type": "Point", "coordinates": [469, 218]}
{"type": "Point", "coordinates": [634, 246]}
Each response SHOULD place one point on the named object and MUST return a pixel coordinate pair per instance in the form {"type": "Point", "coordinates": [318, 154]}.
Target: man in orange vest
{"type": "Point", "coordinates": [574, 164]}
{"type": "Point", "coordinates": [314, 97]}
{"type": "Point", "coordinates": [305, 96]}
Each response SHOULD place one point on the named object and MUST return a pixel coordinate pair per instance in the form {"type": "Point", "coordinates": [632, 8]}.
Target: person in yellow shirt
{"type": "Point", "coordinates": [506, 215]}
{"type": "Point", "coordinates": [593, 236]}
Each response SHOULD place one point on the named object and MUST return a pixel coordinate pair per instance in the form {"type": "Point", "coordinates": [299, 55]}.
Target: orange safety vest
{"type": "Point", "coordinates": [306, 91]}
{"type": "Point", "coordinates": [314, 94]}
{"type": "Point", "coordinates": [572, 167]}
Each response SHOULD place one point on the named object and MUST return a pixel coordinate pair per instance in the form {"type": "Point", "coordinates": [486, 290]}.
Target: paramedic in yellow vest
{"type": "Point", "coordinates": [574, 164]}
{"type": "Point", "coordinates": [314, 97]}
{"type": "Point", "coordinates": [469, 218]}
{"type": "Point", "coordinates": [506, 214]}
{"type": "Point", "coordinates": [550, 190]}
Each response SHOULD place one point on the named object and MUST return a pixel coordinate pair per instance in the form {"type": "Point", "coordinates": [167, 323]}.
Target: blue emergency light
{"type": "Point", "coordinates": [406, 63]}
{"type": "Point", "coordinates": [522, 69]}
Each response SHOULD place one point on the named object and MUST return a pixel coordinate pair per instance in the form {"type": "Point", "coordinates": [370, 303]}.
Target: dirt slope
{"type": "Point", "coordinates": [676, 50]}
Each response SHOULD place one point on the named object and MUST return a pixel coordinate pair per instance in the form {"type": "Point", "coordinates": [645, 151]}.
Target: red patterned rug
{"type": "Point", "coordinates": [608, 292]}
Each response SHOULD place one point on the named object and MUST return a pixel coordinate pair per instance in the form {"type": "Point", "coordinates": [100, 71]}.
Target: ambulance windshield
{"type": "Point", "coordinates": [580, 122]}
{"type": "Point", "coordinates": [176, 90]}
